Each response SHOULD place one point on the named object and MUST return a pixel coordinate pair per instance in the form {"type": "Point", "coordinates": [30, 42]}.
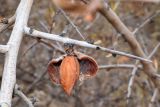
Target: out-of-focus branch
{"type": "Point", "coordinates": [153, 99]}
{"type": "Point", "coordinates": [153, 52]}
{"type": "Point", "coordinates": [146, 21]}
{"type": "Point", "coordinates": [10, 22]}
{"type": "Point", "coordinates": [111, 16]}
{"type": "Point", "coordinates": [36, 81]}
{"type": "Point", "coordinates": [118, 66]}
{"type": "Point", "coordinates": [135, 68]}
{"type": "Point", "coordinates": [23, 96]}
{"type": "Point", "coordinates": [131, 81]}
{"type": "Point", "coordinates": [4, 48]}
{"type": "Point", "coordinates": [73, 25]}
{"type": "Point", "coordinates": [147, 1]}
{"type": "Point", "coordinates": [36, 33]}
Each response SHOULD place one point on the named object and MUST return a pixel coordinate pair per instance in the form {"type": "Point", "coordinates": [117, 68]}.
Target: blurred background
{"type": "Point", "coordinates": [109, 87]}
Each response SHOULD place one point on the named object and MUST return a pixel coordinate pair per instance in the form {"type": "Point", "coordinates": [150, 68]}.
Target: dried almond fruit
{"type": "Point", "coordinates": [66, 70]}
{"type": "Point", "coordinates": [69, 73]}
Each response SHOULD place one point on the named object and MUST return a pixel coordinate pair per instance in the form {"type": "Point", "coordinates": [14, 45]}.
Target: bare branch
{"type": "Point", "coordinates": [20, 27]}
{"type": "Point", "coordinates": [131, 81]}
{"type": "Point", "coordinates": [146, 21]}
{"type": "Point", "coordinates": [112, 17]}
{"type": "Point", "coordinates": [152, 103]}
{"type": "Point", "coordinates": [134, 71]}
{"type": "Point", "coordinates": [73, 25]}
{"type": "Point", "coordinates": [36, 81]}
{"type": "Point", "coordinates": [9, 73]}
{"type": "Point", "coordinates": [21, 94]}
{"type": "Point", "coordinates": [118, 66]}
{"type": "Point", "coordinates": [4, 48]}
{"type": "Point", "coordinates": [10, 22]}
{"type": "Point", "coordinates": [37, 33]}
{"type": "Point", "coordinates": [148, 1]}
{"type": "Point", "coordinates": [154, 51]}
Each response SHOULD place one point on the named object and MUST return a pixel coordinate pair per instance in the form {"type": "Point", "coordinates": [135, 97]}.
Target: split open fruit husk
{"type": "Point", "coordinates": [66, 69]}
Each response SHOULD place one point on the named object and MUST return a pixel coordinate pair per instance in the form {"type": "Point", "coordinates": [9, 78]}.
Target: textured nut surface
{"type": "Point", "coordinates": [69, 73]}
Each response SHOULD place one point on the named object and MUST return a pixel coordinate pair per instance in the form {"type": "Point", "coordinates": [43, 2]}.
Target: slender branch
{"type": "Point", "coordinates": [148, 1]}
{"type": "Point", "coordinates": [22, 95]}
{"type": "Point", "coordinates": [134, 71]}
{"type": "Point", "coordinates": [10, 22]}
{"type": "Point", "coordinates": [154, 51]}
{"type": "Point", "coordinates": [153, 99]}
{"type": "Point", "coordinates": [73, 25]}
{"type": "Point", "coordinates": [4, 48]}
{"type": "Point", "coordinates": [117, 66]}
{"type": "Point", "coordinates": [131, 81]}
{"type": "Point", "coordinates": [146, 21]}
{"type": "Point", "coordinates": [22, 15]}
{"type": "Point", "coordinates": [43, 42]}
{"type": "Point", "coordinates": [52, 46]}
{"type": "Point", "coordinates": [36, 81]}
{"type": "Point", "coordinates": [9, 73]}
{"type": "Point", "coordinates": [156, 91]}
{"type": "Point", "coordinates": [112, 17]}
{"type": "Point", "coordinates": [37, 33]}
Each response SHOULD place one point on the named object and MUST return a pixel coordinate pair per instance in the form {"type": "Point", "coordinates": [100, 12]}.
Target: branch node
{"type": "Point", "coordinates": [114, 55]}
{"type": "Point", "coordinates": [4, 104]}
{"type": "Point", "coordinates": [4, 21]}
{"type": "Point", "coordinates": [31, 30]}
{"type": "Point", "coordinates": [33, 100]}
{"type": "Point", "coordinates": [98, 48]}
{"type": "Point", "coordinates": [62, 34]}
{"type": "Point", "coordinates": [90, 41]}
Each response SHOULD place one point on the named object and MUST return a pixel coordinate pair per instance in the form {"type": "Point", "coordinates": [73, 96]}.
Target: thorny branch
{"type": "Point", "coordinates": [20, 27]}
{"type": "Point", "coordinates": [146, 21]}
{"type": "Point", "coordinates": [111, 16]}
{"type": "Point", "coordinates": [135, 68]}
{"type": "Point", "coordinates": [36, 33]}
